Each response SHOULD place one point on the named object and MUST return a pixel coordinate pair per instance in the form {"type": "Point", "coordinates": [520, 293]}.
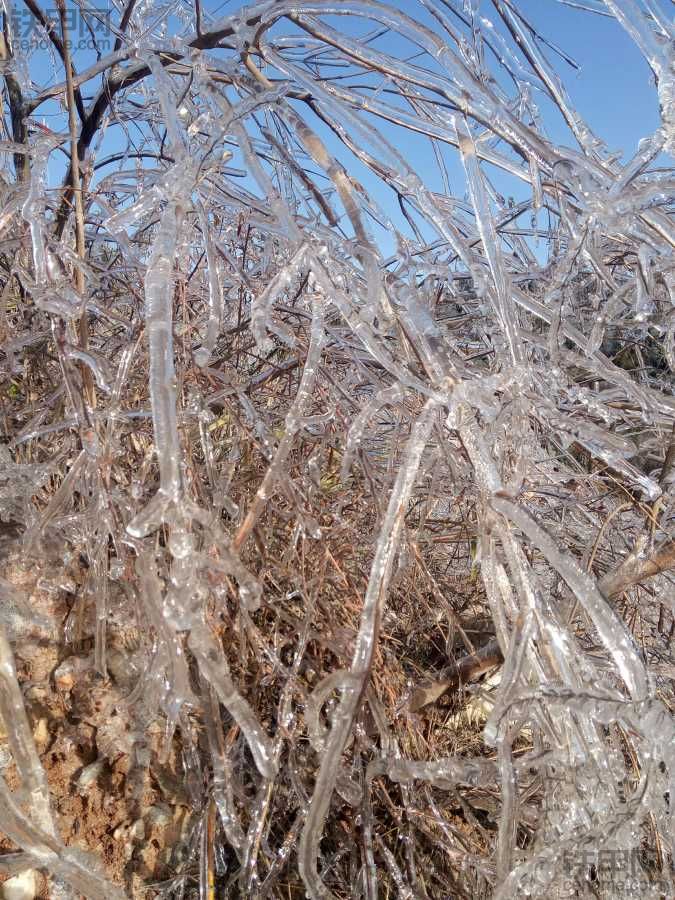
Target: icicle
{"type": "Point", "coordinates": [213, 666]}
{"type": "Point", "coordinates": [384, 397]}
{"type": "Point", "coordinates": [159, 303]}
{"type": "Point", "coordinates": [261, 311]}
{"type": "Point", "coordinates": [205, 352]}
{"type": "Point", "coordinates": [365, 647]}
{"type": "Point", "coordinates": [504, 306]}
{"type": "Point", "coordinates": [610, 628]}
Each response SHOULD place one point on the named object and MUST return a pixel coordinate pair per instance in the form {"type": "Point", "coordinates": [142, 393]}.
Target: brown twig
{"type": "Point", "coordinates": [465, 670]}
{"type": "Point", "coordinates": [17, 106]}
{"type": "Point", "coordinates": [61, 45]}
{"type": "Point", "coordinates": [76, 185]}
{"type": "Point", "coordinates": [634, 570]}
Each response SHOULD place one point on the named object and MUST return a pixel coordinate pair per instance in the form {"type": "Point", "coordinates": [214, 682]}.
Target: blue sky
{"type": "Point", "coordinates": [613, 90]}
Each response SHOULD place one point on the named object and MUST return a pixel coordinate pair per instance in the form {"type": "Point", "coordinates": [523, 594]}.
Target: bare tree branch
{"type": "Point", "coordinates": [635, 569]}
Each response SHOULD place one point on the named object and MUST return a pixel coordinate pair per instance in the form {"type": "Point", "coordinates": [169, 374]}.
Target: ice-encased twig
{"type": "Point", "coordinates": [159, 326]}
{"type": "Point", "coordinates": [359, 671]}
{"type": "Point", "coordinates": [659, 54]}
{"type": "Point", "coordinates": [611, 630]}
{"type": "Point", "coordinates": [170, 645]}
{"type": "Point", "coordinates": [293, 419]}
{"type": "Point", "coordinates": [204, 353]}
{"type": "Point", "coordinates": [222, 769]}
{"type": "Point", "coordinates": [47, 851]}
{"type": "Point", "coordinates": [21, 741]}
{"type": "Point", "coordinates": [213, 666]}
{"type": "Point", "coordinates": [484, 221]}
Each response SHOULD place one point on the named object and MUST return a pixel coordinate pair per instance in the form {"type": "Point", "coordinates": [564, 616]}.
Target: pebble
{"type": "Point", "coordinates": [21, 887]}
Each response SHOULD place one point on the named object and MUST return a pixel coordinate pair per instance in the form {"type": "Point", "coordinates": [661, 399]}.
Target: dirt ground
{"type": "Point", "coordinates": [105, 801]}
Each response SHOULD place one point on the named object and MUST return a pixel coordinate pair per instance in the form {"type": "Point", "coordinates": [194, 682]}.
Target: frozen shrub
{"type": "Point", "coordinates": [274, 435]}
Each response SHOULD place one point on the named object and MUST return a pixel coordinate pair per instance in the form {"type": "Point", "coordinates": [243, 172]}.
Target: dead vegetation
{"type": "Point", "coordinates": [290, 473]}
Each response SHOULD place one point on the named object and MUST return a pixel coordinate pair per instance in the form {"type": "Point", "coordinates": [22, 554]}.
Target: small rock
{"type": "Point", "coordinates": [89, 775]}
{"type": "Point", "coordinates": [159, 816]}
{"type": "Point", "coordinates": [41, 734]}
{"type": "Point", "coordinates": [21, 887]}
{"type": "Point", "coordinates": [69, 671]}
{"type": "Point", "coordinates": [137, 830]}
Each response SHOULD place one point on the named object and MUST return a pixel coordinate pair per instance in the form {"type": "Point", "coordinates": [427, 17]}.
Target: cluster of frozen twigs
{"type": "Point", "coordinates": [256, 411]}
